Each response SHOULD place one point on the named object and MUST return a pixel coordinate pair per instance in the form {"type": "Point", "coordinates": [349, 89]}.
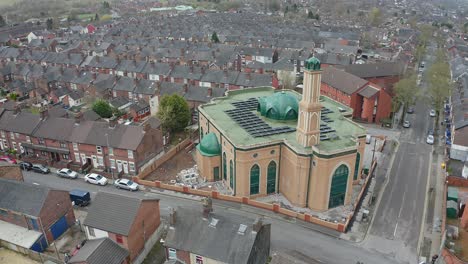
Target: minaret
{"type": "Point", "coordinates": [308, 125]}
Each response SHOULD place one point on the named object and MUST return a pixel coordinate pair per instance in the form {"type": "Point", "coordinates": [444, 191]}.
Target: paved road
{"type": "Point", "coordinates": [287, 236]}
{"type": "Point", "coordinates": [396, 226]}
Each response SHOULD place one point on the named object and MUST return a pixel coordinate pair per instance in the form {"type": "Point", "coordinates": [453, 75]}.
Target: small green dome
{"type": "Point", "coordinates": [209, 145]}
{"type": "Point", "coordinates": [279, 106]}
{"type": "Point", "coordinates": [312, 63]}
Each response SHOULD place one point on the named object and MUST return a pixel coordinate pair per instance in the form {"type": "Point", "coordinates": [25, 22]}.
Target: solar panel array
{"type": "Point", "coordinates": [324, 128]}
{"type": "Point", "coordinates": [256, 127]}
{"type": "Point", "coordinates": [253, 124]}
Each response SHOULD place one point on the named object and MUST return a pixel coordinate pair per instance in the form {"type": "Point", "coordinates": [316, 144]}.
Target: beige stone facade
{"type": "Point", "coordinates": [317, 176]}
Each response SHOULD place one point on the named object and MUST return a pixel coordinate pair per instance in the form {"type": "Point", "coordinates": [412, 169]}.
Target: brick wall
{"type": "Point", "coordinates": [12, 172]}
{"type": "Point", "coordinates": [144, 225]}
{"type": "Point", "coordinates": [335, 94]}
{"type": "Point", "coordinates": [386, 82]}
{"type": "Point", "coordinates": [14, 218]}
{"type": "Point", "coordinates": [56, 205]}
{"type": "Point", "coordinates": [384, 106]}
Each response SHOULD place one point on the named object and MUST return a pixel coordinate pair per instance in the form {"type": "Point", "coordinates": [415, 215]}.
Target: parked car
{"type": "Point", "coordinates": [8, 159]}
{"type": "Point", "coordinates": [95, 178]}
{"type": "Point", "coordinates": [432, 113]}
{"type": "Point", "coordinates": [406, 124]}
{"type": "Point", "coordinates": [410, 110]}
{"type": "Point", "coordinates": [126, 184]}
{"type": "Point", "coordinates": [430, 139]}
{"type": "Point", "coordinates": [80, 197]}
{"type": "Point", "coordinates": [24, 165]}
{"type": "Point", "coordinates": [67, 173]}
{"type": "Point", "coordinates": [40, 168]}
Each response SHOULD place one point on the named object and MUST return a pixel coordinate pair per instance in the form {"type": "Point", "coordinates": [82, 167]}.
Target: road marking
{"type": "Point", "coordinates": [399, 213]}
{"type": "Point", "coordinates": [35, 183]}
{"type": "Point", "coordinates": [394, 232]}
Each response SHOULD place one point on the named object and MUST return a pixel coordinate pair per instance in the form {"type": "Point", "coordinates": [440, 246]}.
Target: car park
{"type": "Point", "coordinates": [24, 165]}
{"type": "Point", "coordinates": [95, 178]}
{"type": "Point", "coordinates": [8, 159]}
{"type": "Point", "coordinates": [430, 139]}
{"type": "Point", "coordinates": [40, 168]}
{"type": "Point", "coordinates": [126, 184]}
{"type": "Point", "coordinates": [432, 113]}
{"type": "Point", "coordinates": [406, 124]}
{"type": "Point", "coordinates": [67, 173]}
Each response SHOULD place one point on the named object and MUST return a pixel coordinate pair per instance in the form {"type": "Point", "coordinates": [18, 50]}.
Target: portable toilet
{"type": "Point", "coordinates": [452, 209]}
{"type": "Point", "coordinates": [452, 194]}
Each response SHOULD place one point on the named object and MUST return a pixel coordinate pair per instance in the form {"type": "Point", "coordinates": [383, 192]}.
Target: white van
{"type": "Point", "coordinates": [368, 139]}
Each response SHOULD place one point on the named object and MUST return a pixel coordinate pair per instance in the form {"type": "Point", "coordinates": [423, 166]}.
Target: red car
{"type": "Point", "coordinates": [8, 159]}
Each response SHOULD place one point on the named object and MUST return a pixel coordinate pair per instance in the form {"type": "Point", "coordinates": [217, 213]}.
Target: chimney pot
{"type": "Point", "coordinates": [207, 207]}
{"type": "Point", "coordinates": [257, 225]}
{"type": "Point", "coordinates": [172, 217]}
{"type": "Point", "coordinates": [44, 112]}
{"type": "Point", "coordinates": [94, 76]}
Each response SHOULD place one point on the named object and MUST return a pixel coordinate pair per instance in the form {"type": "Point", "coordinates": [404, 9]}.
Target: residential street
{"type": "Point", "coordinates": [287, 236]}
{"type": "Point", "coordinates": [396, 226]}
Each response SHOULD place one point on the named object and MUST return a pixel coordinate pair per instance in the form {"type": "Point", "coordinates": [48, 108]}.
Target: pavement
{"type": "Point", "coordinates": [399, 217]}
{"type": "Point", "coordinates": [288, 234]}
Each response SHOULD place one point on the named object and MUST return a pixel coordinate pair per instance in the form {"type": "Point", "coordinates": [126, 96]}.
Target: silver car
{"type": "Point", "coordinates": [67, 173]}
{"type": "Point", "coordinates": [126, 184]}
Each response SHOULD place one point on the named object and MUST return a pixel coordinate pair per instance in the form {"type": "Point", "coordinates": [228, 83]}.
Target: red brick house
{"type": "Point", "coordinates": [35, 207]}
{"type": "Point", "coordinates": [128, 221]}
{"type": "Point", "coordinates": [370, 102]}
{"type": "Point", "coordinates": [383, 74]}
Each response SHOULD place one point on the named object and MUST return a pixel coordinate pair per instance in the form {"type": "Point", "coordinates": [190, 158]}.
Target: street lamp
{"type": "Point", "coordinates": [108, 156]}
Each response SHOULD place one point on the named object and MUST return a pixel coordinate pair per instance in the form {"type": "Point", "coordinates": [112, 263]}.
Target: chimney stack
{"type": "Point", "coordinates": [172, 217]}
{"type": "Point", "coordinates": [78, 118]}
{"type": "Point", "coordinates": [44, 112]}
{"type": "Point", "coordinates": [207, 207]}
{"type": "Point", "coordinates": [94, 76]}
{"type": "Point", "coordinates": [257, 225]}
{"type": "Point", "coordinates": [210, 92]}
{"type": "Point", "coordinates": [185, 88]}
{"type": "Point", "coordinates": [17, 109]}
{"type": "Point", "coordinates": [98, 59]}
{"type": "Point", "coordinates": [112, 122]}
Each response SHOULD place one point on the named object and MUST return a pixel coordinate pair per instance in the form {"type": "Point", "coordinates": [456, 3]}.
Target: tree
{"type": "Point", "coordinates": [375, 17]}
{"type": "Point", "coordinates": [287, 79]}
{"type": "Point", "coordinates": [174, 113]}
{"type": "Point", "coordinates": [214, 38]}
{"type": "Point", "coordinates": [406, 92]}
{"type": "Point", "coordinates": [96, 18]}
{"type": "Point", "coordinates": [310, 15]}
{"type": "Point", "coordinates": [105, 5]}
{"type": "Point", "coordinates": [2, 21]}
{"type": "Point", "coordinates": [439, 80]}
{"type": "Point", "coordinates": [419, 52]}
{"type": "Point", "coordinates": [50, 23]}
{"type": "Point", "coordinates": [102, 108]}
{"type": "Point", "coordinates": [13, 96]}
{"type": "Point", "coordinates": [426, 33]}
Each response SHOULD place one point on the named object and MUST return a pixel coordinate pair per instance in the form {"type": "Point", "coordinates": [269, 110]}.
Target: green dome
{"type": "Point", "coordinates": [279, 106]}
{"type": "Point", "coordinates": [209, 145]}
{"type": "Point", "coordinates": [312, 63]}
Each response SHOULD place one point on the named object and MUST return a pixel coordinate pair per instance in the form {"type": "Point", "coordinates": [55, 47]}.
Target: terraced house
{"type": "Point", "coordinates": [260, 141]}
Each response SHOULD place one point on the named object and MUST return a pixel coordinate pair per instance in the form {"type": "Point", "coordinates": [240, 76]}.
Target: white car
{"type": "Point", "coordinates": [67, 173]}
{"type": "Point", "coordinates": [432, 113]}
{"type": "Point", "coordinates": [430, 139]}
{"type": "Point", "coordinates": [126, 184]}
{"type": "Point", "coordinates": [406, 124]}
{"type": "Point", "coordinates": [95, 178]}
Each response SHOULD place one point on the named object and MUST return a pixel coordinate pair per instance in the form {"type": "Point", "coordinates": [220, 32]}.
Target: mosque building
{"type": "Point", "coordinates": [262, 141]}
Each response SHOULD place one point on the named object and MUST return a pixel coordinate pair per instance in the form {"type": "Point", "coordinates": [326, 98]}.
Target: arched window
{"type": "Point", "coordinates": [291, 114]}
{"type": "Point", "coordinates": [356, 167]}
{"type": "Point", "coordinates": [254, 179]}
{"type": "Point", "coordinates": [224, 166]}
{"type": "Point", "coordinates": [338, 186]}
{"type": "Point", "coordinates": [231, 174]}
{"type": "Point", "coordinates": [271, 177]}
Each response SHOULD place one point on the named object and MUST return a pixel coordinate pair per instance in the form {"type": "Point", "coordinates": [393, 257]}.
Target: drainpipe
{"type": "Point", "coordinates": [308, 180]}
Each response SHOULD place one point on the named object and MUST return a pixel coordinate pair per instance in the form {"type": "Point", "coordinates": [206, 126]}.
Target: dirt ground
{"type": "Point", "coordinates": [11, 257]}
{"type": "Point", "coordinates": [169, 170]}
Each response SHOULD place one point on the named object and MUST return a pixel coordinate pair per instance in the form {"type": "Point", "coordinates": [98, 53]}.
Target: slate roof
{"type": "Point", "coordinates": [144, 86]}
{"type": "Point", "coordinates": [113, 213]}
{"type": "Point", "coordinates": [121, 136]}
{"type": "Point", "coordinates": [218, 76]}
{"type": "Point", "coordinates": [100, 251]}
{"type": "Point", "coordinates": [131, 66]}
{"type": "Point", "coordinates": [368, 91]}
{"type": "Point", "coordinates": [157, 68]}
{"type": "Point", "coordinates": [104, 82]}
{"type": "Point", "coordinates": [23, 123]}
{"type": "Point", "coordinates": [254, 79]}
{"type": "Point", "coordinates": [22, 197]}
{"type": "Point", "coordinates": [90, 115]}
{"type": "Point", "coordinates": [124, 84]}
{"type": "Point", "coordinates": [57, 128]}
{"type": "Point", "coordinates": [222, 243]}
{"type": "Point", "coordinates": [380, 69]}
{"type": "Point", "coordinates": [341, 80]}
{"type": "Point", "coordinates": [187, 72]}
